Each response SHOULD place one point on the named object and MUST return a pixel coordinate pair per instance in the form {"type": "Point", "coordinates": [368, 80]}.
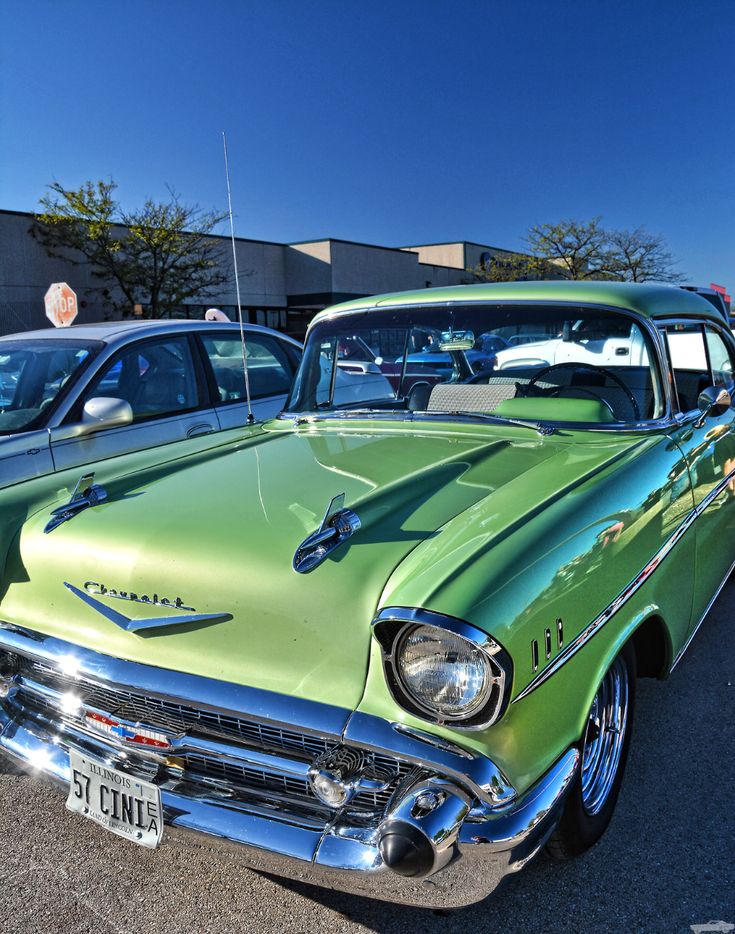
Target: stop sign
{"type": "Point", "coordinates": [61, 304]}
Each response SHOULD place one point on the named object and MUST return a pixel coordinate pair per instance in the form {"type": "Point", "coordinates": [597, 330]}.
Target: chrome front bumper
{"type": "Point", "coordinates": [236, 777]}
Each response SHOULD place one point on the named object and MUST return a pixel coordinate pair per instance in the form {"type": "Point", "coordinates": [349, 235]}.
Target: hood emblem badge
{"type": "Point", "coordinates": [141, 625]}
{"type": "Point", "coordinates": [127, 732]}
{"type": "Point", "coordinates": [86, 493]}
{"type": "Point", "coordinates": [337, 526]}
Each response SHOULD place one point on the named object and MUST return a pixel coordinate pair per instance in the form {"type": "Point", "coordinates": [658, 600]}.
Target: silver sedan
{"type": "Point", "coordinates": [76, 395]}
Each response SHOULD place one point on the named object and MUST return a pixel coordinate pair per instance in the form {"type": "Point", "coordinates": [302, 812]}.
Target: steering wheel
{"type": "Point", "coordinates": [595, 369]}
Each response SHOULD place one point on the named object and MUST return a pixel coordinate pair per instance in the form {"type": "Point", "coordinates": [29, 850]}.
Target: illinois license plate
{"type": "Point", "coordinates": [115, 800]}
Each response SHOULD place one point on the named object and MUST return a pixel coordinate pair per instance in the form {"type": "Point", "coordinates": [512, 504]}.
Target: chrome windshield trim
{"type": "Point", "coordinates": [626, 593]}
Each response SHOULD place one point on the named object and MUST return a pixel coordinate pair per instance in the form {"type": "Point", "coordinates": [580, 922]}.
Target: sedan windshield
{"type": "Point", "coordinates": [33, 375]}
{"type": "Point", "coordinates": [518, 362]}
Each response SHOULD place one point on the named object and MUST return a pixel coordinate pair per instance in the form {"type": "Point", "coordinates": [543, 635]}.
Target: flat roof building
{"type": "Point", "coordinates": [282, 285]}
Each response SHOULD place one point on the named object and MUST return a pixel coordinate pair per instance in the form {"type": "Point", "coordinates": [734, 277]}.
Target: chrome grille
{"type": "Point", "coordinates": [208, 771]}
{"type": "Point", "coordinates": [177, 718]}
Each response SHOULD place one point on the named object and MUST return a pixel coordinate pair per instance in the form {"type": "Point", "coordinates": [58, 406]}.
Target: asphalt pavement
{"type": "Point", "coordinates": [667, 861]}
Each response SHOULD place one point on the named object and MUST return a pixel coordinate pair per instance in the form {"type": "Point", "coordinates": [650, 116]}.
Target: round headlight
{"type": "Point", "coordinates": [444, 673]}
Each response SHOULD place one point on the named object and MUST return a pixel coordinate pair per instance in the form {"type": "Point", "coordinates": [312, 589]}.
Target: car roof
{"type": "Point", "coordinates": [113, 332]}
{"type": "Point", "coordinates": [649, 299]}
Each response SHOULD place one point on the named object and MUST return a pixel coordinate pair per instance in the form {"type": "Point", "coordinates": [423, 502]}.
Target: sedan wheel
{"type": "Point", "coordinates": [591, 799]}
{"type": "Point", "coordinates": [604, 738]}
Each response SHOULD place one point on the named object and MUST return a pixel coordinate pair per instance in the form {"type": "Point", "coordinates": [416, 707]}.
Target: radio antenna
{"type": "Point", "coordinates": [251, 419]}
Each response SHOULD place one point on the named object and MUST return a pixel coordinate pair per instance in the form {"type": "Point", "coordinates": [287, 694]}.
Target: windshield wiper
{"type": "Point", "coordinates": [540, 427]}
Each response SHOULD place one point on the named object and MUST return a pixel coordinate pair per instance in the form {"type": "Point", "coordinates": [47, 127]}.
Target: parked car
{"type": "Point", "coordinates": [388, 646]}
{"type": "Point", "coordinates": [438, 357]}
{"type": "Point", "coordinates": [75, 395]}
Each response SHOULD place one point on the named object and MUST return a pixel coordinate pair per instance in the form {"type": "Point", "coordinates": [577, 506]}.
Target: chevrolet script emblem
{"type": "Point", "coordinates": [142, 625]}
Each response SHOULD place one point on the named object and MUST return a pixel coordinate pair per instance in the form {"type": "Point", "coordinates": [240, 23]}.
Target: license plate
{"type": "Point", "coordinates": [115, 800]}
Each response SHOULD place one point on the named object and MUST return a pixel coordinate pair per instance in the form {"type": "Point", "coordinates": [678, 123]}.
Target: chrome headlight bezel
{"type": "Point", "coordinates": [394, 625]}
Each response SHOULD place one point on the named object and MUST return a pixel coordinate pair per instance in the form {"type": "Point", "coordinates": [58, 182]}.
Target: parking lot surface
{"type": "Point", "coordinates": [667, 861]}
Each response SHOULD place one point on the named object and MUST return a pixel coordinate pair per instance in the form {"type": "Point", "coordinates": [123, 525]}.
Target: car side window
{"type": "Point", "coordinates": [720, 358]}
{"type": "Point", "coordinates": [269, 368]}
{"type": "Point", "coordinates": [699, 358]}
{"type": "Point", "coordinates": [157, 378]}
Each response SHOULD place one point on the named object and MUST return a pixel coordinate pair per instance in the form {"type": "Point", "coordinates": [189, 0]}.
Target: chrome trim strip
{"type": "Point", "coordinates": [475, 772]}
{"type": "Point", "coordinates": [622, 598]}
{"type": "Point", "coordinates": [694, 631]}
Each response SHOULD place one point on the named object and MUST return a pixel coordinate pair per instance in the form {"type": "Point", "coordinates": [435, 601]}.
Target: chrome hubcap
{"type": "Point", "coordinates": [603, 741]}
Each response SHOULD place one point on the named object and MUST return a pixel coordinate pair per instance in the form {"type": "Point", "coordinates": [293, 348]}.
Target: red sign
{"type": "Point", "coordinates": [721, 289]}
{"type": "Point", "coordinates": [61, 304]}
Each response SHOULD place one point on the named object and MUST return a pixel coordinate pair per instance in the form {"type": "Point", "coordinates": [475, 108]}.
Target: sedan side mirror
{"type": "Point", "coordinates": [713, 401]}
{"type": "Point", "coordinates": [105, 412]}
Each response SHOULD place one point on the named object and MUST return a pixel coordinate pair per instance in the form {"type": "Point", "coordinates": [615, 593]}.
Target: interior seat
{"type": "Point", "coordinates": [472, 397]}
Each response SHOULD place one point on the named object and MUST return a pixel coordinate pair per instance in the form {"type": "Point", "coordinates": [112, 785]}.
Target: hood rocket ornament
{"type": "Point", "coordinates": [337, 526]}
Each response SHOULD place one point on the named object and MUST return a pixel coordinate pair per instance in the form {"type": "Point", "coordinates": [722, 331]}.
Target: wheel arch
{"type": "Point", "coordinates": [653, 648]}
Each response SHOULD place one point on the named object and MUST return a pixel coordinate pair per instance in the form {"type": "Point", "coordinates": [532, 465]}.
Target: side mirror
{"type": "Point", "coordinates": [712, 402]}
{"type": "Point", "coordinates": [104, 412]}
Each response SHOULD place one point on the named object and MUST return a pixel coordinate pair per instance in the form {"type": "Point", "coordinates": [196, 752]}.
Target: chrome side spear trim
{"type": "Point", "coordinates": [626, 593]}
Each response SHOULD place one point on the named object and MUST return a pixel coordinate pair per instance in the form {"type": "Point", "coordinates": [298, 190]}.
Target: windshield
{"type": "Point", "coordinates": [33, 374]}
{"type": "Point", "coordinates": [524, 362]}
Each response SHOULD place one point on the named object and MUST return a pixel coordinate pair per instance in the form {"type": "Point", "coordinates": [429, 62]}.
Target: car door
{"type": "Point", "coordinates": [702, 356]}
{"type": "Point", "coordinates": [163, 381]}
{"type": "Point", "coordinates": [270, 372]}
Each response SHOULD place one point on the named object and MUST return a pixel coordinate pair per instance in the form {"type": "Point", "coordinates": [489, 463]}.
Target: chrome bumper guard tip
{"type": "Point", "coordinates": [432, 824]}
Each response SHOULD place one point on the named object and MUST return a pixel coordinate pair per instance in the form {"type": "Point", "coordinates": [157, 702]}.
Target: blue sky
{"type": "Point", "coordinates": [387, 122]}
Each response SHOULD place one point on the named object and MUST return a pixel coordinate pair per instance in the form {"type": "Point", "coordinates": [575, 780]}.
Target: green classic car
{"type": "Point", "coordinates": [387, 642]}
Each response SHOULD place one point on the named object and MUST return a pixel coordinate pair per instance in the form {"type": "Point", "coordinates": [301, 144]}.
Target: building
{"type": "Point", "coordinates": [282, 285]}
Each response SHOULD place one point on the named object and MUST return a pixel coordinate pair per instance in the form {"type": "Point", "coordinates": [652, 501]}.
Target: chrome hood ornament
{"type": "Point", "coordinates": [86, 493]}
{"type": "Point", "coordinates": [141, 625]}
{"type": "Point", "coordinates": [337, 526]}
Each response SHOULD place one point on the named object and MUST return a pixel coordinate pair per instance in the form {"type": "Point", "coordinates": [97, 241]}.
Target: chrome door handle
{"type": "Point", "coordinates": [201, 429]}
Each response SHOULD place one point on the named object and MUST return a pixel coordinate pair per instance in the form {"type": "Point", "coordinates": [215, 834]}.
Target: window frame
{"type": "Point", "coordinates": [662, 324]}
{"type": "Point", "coordinates": [227, 333]}
{"type": "Point", "coordinates": [44, 418]}
{"type": "Point", "coordinates": [75, 412]}
{"type": "Point", "coordinates": [649, 325]}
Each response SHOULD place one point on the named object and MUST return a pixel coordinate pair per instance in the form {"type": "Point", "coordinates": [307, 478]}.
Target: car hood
{"type": "Point", "coordinates": [220, 534]}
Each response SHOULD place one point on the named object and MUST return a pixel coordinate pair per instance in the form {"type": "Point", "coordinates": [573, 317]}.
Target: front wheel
{"type": "Point", "coordinates": [591, 800]}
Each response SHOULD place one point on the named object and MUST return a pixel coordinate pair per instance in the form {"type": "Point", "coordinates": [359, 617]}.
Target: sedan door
{"type": "Point", "coordinates": [270, 371]}
{"type": "Point", "coordinates": [162, 380]}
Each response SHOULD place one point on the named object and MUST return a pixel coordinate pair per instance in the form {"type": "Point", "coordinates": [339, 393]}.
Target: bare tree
{"type": "Point", "coordinates": [640, 256]}
{"type": "Point", "coordinates": [158, 256]}
{"type": "Point", "coordinates": [574, 249]}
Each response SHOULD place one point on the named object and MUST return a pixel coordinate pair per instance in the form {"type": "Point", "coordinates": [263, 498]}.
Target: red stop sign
{"type": "Point", "coordinates": [61, 304]}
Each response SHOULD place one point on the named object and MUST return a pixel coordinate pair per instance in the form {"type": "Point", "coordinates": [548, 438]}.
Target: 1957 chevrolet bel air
{"type": "Point", "coordinates": [387, 642]}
